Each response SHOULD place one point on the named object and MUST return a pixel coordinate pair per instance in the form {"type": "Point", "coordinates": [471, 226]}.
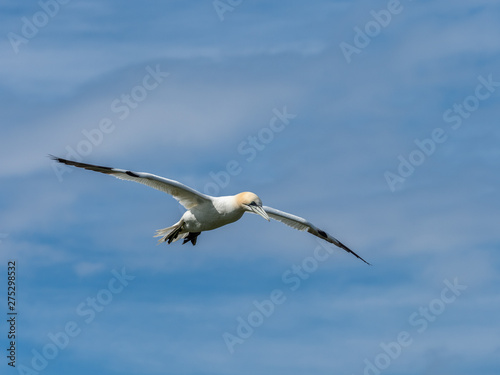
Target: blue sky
{"type": "Point", "coordinates": [391, 146]}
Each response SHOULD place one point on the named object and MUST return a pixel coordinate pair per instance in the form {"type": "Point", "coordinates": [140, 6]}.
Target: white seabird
{"type": "Point", "coordinates": [205, 212]}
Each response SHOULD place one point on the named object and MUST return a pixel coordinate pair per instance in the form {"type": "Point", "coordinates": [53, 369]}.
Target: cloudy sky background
{"type": "Point", "coordinates": [228, 75]}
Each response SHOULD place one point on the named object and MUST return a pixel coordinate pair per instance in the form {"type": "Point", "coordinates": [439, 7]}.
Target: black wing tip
{"type": "Point", "coordinates": [61, 160]}
{"type": "Point", "coordinates": [96, 168]}
{"type": "Point", "coordinates": [55, 158]}
{"type": "Point", "coordinates": [323, 234]}
{"type": "Point", "coordinates": [352, 252]}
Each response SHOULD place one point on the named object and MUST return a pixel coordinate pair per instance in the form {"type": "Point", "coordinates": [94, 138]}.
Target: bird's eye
{"type": "Point", "coordinates": [252, 204]}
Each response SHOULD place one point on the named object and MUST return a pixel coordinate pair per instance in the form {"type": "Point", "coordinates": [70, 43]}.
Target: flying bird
{"type": "Point", "coordinates": [205, 212]}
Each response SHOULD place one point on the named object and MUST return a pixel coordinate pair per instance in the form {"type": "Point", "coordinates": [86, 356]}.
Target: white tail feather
{"type": "Point", "coordinates": [166, 232]}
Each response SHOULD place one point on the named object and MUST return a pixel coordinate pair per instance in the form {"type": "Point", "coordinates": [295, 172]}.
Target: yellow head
{"type": "Point", "coordinates": [251, 202]}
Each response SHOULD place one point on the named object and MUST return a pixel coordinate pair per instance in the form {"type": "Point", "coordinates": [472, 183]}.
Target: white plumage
{"type": "Point", "coordinates": [205, 212]}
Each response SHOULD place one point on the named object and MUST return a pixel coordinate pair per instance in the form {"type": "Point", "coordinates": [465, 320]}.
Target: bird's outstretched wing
{"type": "Point", "coordinates": [186, 196]}
{"type": "Point", "coordinates": [303, 225]}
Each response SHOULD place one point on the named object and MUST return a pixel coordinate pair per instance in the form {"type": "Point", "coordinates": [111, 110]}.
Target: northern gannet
{"type": "Point", "coordinates": [205, 212]}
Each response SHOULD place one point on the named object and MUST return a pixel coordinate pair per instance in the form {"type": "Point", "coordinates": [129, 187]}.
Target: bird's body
{"type": "Point", "coordinates": [204, 212]}
{"type": "Point", "coordinates": [213, 214]}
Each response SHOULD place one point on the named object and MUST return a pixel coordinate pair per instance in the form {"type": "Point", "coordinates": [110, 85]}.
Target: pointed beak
{"type": "Point", "coordinates": [260, 211]}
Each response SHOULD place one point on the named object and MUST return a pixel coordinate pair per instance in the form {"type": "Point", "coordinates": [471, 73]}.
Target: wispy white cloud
{"type": "Point", "coordinates": [225, 79]}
